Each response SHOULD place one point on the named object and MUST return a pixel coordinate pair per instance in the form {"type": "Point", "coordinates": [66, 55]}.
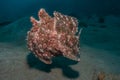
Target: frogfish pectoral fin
{"type": "Point", "coordinates": [46, 61]}
{"type": "Point", "coordinates": [72, 56]}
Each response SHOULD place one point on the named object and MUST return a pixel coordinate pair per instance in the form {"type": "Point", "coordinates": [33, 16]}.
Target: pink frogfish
{"type": "Point", "coordinates": [54, 36]}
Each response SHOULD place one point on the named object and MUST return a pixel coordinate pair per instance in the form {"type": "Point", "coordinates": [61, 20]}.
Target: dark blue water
{"type": "Point", "coordinates": [12, 10]}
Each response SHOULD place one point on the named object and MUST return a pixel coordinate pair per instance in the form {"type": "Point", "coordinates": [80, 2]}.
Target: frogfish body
{"type": "Point", "coordinates": [54, 36]}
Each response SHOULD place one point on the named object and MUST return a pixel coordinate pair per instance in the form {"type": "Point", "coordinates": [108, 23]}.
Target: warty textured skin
{"type": "Point", "coordinates": [54, 36]}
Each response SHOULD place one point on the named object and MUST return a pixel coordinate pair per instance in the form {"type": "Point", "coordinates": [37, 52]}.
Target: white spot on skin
{"type": "Point", "coordinates": [63, 22]}
{"type": "Point", "coordinates": [39, 45]}
{"type": "Point", "coordinates": [67, 24]}
{"type": "Point", "coordinates": [73, 21]}
{"type": "Point", "coordinates": [42, 34]}
{"type": "Point", "coordinates": [39, 22]}
{"type": "Point", "coordinates": [68, 37]}
{"type": "Point", "coordinates": [64, 49]}
{"type": "Point", "coordinates": [45, 55]}
{"type": "Point", "coordinates": [41, 50]}
{"type": "Point", "coordinates": [77, 37]}
{"type": "Point", "coordinates": [48, 31]}
{"type": "Point", "coordinates": [61, 16]}
{"type": "Point", "coordinates": [55, 13]}
{"type": "Point", "coordinates": [54, 26]}
{"type": "Point", "coordinates": [43, 29]}
{"type": "Point", "coordinates": [59, 36]}
{"type": "Point", "coordinates": [66, 18]}
{"type": "Point", "coordinates": [57, 18]}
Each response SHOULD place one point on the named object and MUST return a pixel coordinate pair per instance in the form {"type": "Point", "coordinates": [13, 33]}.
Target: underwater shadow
{"type": "Point", "coordinates": [58, 62]}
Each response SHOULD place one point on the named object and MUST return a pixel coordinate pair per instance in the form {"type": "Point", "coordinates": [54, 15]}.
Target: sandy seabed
{"type": "Point", "coordinates": [100, 52]}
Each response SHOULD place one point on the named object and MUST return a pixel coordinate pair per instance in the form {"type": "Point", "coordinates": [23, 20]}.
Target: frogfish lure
{"type": "Point", "coordinates": [54, 36]}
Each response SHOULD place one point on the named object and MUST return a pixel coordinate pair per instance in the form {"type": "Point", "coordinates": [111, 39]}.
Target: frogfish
{"type": "Point", "coordinates": [54, 36]}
